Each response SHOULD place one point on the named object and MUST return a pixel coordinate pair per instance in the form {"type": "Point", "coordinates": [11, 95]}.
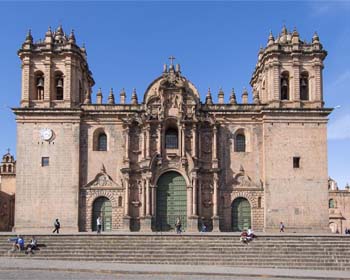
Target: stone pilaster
{"type": "Point", "coordinates": [215, 217]}
{"type": "Point", "coordinates": [25, 82]}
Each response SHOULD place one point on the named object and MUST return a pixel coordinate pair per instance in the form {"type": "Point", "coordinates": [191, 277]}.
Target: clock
{"type": "Point", "coordinates": [46, 134]}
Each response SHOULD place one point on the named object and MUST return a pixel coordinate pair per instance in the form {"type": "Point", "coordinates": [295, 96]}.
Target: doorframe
{"type": "Point", "coordinates": [188, 188]}
{"type": "Point", "coordinates": [251, 210]}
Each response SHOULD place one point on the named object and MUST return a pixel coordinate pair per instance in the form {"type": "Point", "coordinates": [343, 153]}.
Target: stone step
{"type": "Point", "coordinates": [317, 252]}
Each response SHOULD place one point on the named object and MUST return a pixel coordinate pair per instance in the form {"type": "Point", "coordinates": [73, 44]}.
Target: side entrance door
{"type": "Point", "coordinates": [241, 214]}
{"type": "Point", "coordinates": [102, 207]}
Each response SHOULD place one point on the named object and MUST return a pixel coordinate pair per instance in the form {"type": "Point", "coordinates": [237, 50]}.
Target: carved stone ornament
{"type": "Point", "coordinates": [102, 180]}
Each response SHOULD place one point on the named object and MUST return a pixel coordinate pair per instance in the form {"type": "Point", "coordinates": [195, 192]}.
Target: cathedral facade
{"type": "Point", "coordinates": [142, 165]}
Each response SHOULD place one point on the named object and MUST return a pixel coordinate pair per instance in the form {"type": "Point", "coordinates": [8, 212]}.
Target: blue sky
{"type": "Point", "coordinates": [216, 44]}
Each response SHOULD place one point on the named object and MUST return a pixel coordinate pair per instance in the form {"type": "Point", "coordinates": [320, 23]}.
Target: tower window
{"type": "Point", "coordinates": [45, 161]}
{"type": "Point", "coordinates": [59, 86]}
{"type": "Point", "coordinates": [240, 143]}
{"type": "Point", "coordinates": [331, 203]}
{"type": "Point", "coordinates": [304, 86]}
{"type": "Point", "coordinates": [171, 138]}
{"type": "Point", "coordinates": [102, 142]}
{"type": "Point", "coordinates": [39, 86]}
{"type": "Point", "coordinates": [296, 162]}
{"type": "Point", "coordinates": [285, 86]}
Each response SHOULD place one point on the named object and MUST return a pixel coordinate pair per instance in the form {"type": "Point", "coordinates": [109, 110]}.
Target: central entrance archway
{"type": "Point", "coordinates": [171, 201]}
{"type": "Point", "coordinates": [102, 207]}
{"type": "Point", "coordinates": [241, 214]}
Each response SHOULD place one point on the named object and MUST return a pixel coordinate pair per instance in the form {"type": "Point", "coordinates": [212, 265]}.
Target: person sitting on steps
{"type": "Point", "coordinates": [31, 246]}
{"type": "Point", "coordinates": [18, 243]}
{"type": "Point", "coordinates": [244, 237]}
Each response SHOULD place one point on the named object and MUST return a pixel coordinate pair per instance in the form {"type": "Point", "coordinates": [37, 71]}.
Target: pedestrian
{"type": "Point", "coordinates": [99, 224]}
{"type": "Point", "coordinates": [57, 226]}
{"type": "Point", "coordinates": [178, 225]}
{"type": "Point", "coordinates": [281, 227]}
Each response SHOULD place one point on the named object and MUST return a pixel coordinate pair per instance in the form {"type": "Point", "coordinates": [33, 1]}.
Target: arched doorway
{"type": "Point", "coordinates": [102, 207]}
{"type": "Point", "coordinates": [171, 201]}
{"type": "Point", "coordinates": [241, 214]}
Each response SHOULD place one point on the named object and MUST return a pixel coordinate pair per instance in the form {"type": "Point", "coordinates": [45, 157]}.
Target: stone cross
{"type": "Point", "coordinates": [171, 58]}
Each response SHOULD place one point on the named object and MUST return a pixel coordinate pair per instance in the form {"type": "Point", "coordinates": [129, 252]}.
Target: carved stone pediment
{"type": "Point", "coordinates": [242, 180]}
{"type": "Point", "coordinates": [102, 181]}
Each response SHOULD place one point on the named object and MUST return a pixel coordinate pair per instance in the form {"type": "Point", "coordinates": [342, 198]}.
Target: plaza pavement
{"type": "Point", "coordinates": [13, 266]}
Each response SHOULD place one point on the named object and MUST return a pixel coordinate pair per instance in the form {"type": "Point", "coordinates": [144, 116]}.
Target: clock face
{"type": "Point", "coordinates": [46, 134]}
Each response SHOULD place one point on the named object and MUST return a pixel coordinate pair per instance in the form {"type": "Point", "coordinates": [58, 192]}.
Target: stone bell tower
{"type": "Point", "coordinates": [55, 72]}
{"type": "Point", "coordinates": [55, 81]}
{"type": "Point", "coordinates": [289, 72]}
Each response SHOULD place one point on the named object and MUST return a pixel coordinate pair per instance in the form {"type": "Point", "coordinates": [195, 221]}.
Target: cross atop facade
{"type": "Point", "coordinates": [171, 58]}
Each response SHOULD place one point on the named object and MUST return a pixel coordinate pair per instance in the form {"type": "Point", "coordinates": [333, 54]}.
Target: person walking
{"type": "Point", "coordinates": [281, 227]}
{"type": "Point", "coordinates": [178, 225]}
{"type": "Point", "coordinates": [99, 224]}
{"type": "Point", "coordinates": [57, 226]}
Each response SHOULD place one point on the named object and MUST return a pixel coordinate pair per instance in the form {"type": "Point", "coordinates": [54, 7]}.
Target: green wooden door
{"type": "Point", "coordinates": [171, 201]}
{"type": "Point", "coordinates": [102, 207]}
{"type": "Point", "coordinates": [241, 214]}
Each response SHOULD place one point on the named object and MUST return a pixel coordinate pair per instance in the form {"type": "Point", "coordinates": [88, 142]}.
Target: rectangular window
{"type": "Point", "coordinates": [296, 162]}
{"type": "Point", "coordinates": [45, 161]}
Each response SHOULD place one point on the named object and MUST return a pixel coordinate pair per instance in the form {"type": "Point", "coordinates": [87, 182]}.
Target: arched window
{"type": "Point", "coordinates": [9, 168]}
{"type": "Point", "coordinates": [240, 143]}
{"type": "Point", "coordinates": [102, 142]}
{"type": "Point", "coordinates": [171, 138]}
{"type": "Point", "coordinates": [7, 159]}
{"type": "Point", "coordinates": [285, 86]}
{"type": "Point", "coordinates": [4, 168]}
{"type": "Point", "coordinates": [120, 201]}
{"type": "Point", "coordinates": [39, 86]}
{"type": "Point", "coordinates": [331, 203]}
{"type": "Point", "coordinates": [304, 86]}
{"type": "Point", "coordinates": [59, 86]}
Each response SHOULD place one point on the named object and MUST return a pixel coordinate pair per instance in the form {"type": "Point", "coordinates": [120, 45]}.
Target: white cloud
{"type": "Point", "coordinates": [339, 128]}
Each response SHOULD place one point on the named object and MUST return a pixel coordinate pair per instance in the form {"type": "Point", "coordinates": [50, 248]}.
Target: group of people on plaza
{"type": "Point", "coordinates": [18, 245]}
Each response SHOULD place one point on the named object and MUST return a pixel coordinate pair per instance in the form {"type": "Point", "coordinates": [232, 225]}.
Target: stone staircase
{"type": "Point", "coordinates": [270, 251]}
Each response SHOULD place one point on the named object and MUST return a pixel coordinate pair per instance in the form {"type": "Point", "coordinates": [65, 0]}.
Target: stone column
{"type": "Point", "coordinates": [126, 199]}
{"type": "Point", "coordinates": [47, 80]}
{"type": "Point", "coordinates": [126, 218]}
{"type": "Point", "coordinates": [194, 140]}
{"type": "Point", "coordinates": [143, 202]}
{"type": "Point", "coordinates": [146, 218]}
{"type": "Point", "coordinates": [276, 80]}
{"type": "Point", "coordinates": [154, 201]}
{"type": "Point", "coordinates": [143, 140]}
{"type": "Point", "coordinates": [126, 155]}
{"type": "Point", "coordinates": [67, 81]}
{"type": "Point", "coordinates": [148, 201]}
{"type": "Point", "coordinates": [296, 82]}
{"type": "Point", "coordinates": [318, 94]}
{"type": "Point", "coordinates": [194, 195]}
{"type": "Point", "coordinates": [26, 84]}
{"type": "Point", "coordinates": [182, 141]}
{"type": "Point", "coordinates": [199, 198]}
{"type": "Point", "coordinates": [214, 147]}
{"type": "Point", "coordinates": [159, 139]}
{"type": "Point", "coordinates": [148, 139]}
{"type": "Point", "coordinates": [215, 204]}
